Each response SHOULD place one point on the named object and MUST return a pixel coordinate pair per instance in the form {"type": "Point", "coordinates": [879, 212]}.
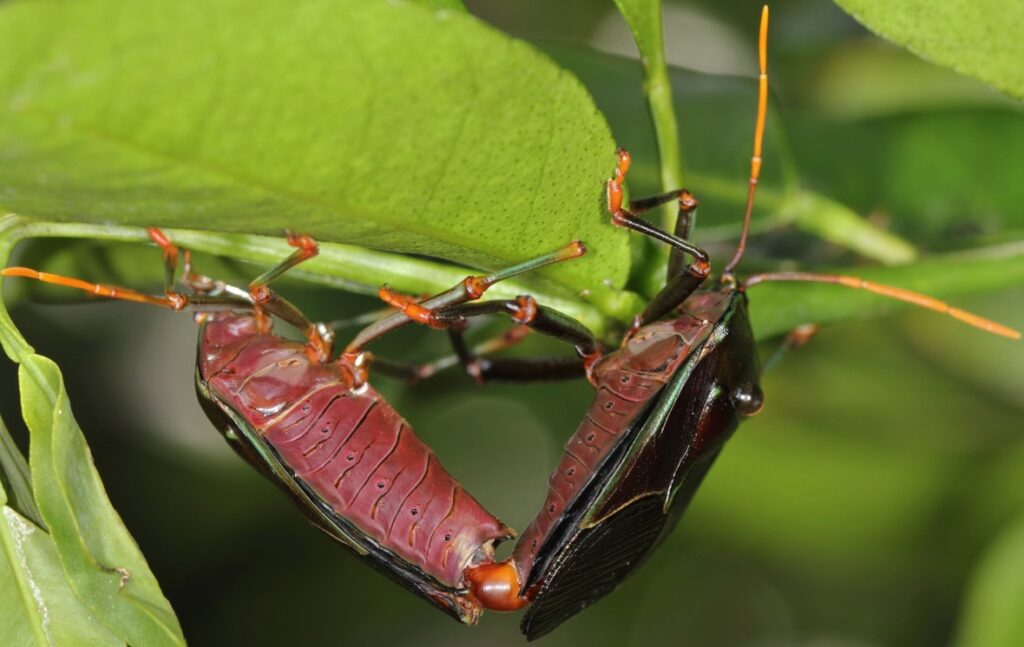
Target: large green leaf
{"type": "Point", "coordinates": [377, 123]}
{"type": "Point", "coordinates": [101, 561]}
{"type": "Point", "coordinates": [979, 38]}
{"type": "Point", "coordinates": [37, 604]}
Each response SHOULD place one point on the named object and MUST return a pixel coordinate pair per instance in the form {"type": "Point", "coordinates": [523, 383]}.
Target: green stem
{"type": "Point", "coordinates": [644, 19]}
{"type": "Point", "coordinates": [348, 267]}
{"type": "Point", "coordinates": [659, 100]}
{"type": "Point", "coordinates": [658, 90]}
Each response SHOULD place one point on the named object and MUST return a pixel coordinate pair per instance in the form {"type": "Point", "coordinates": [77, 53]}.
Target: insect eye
{"type": "Point", "coordinates": [748, 399]}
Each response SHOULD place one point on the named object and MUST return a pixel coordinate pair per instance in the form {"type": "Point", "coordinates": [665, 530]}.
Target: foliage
{"type": "Point", "coordinates": [969, 36]}
{"type": "Point", "coordinates": [388, 128]}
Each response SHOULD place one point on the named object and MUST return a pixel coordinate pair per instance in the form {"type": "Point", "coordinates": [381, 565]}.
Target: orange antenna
{"type": "Point", "coordinates": [899, 294]}
{"type": "Point", "coordinates": [99, 289]}
{"type": "Point", "coordinates": [755, 160]}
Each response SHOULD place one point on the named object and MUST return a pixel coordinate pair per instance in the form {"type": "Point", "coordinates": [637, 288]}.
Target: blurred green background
{"type": "Point", "coordinates": [871, 502]}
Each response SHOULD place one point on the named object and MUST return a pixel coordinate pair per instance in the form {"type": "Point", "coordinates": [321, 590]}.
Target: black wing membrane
{"type": "Point", "coordinates": [644, 487]}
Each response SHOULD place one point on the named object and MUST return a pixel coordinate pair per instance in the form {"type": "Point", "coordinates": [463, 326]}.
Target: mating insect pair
{"type": "Point", "coordinates": [667, 400]}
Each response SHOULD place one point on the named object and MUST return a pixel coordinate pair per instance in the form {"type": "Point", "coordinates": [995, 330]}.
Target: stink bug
{"type": "Point", "coordinates": [687, 372]}
{"type": "Point", "coordinates": [319, 431]}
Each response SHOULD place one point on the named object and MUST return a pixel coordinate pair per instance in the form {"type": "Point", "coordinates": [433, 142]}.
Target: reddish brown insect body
{"type": "Point", "coordinates": [349, 449]}
{"type": "Point", "coordinates": [628, 382]}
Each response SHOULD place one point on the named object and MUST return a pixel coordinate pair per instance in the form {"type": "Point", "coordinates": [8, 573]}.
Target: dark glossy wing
{"type": "Point", "coordinates": [593, 562]}
{"type": "Point", "coordinates": [642, 490]}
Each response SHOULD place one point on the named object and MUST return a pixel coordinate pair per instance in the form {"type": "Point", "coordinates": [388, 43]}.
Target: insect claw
{"type": "Point", "coordinates": [354, 367]}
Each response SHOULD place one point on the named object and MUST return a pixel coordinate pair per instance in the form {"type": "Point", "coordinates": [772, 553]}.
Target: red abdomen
{"type": "Point", "coordinates": [349, 447]}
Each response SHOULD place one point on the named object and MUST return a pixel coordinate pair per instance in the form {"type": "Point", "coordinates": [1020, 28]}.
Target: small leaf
{"type": "Point", "coordinates": [980, 38]}
{"type": "Point", "coordinates": [39, 606]}
{"type": "Point", "coordinates": [992, 614]}
{"type": "Point", "coordinates": [368, 122]}
{"type": "Point", "coordinates": [102, 562]}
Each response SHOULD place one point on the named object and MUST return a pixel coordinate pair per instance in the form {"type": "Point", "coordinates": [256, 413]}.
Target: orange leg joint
{"type": "Point", "coordinates": [409, 307]}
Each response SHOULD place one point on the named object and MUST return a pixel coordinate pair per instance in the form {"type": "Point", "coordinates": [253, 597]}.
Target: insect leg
{"type": "Point", "coordinates": [525, 311]}
{"type": "Point", "coordinates": [469, 289]}
{"type": "Point", "coordinates": [518, 369]}
{"type": "Point", "coordinates": [686, 278]}
{"type": "Point", "coordinates": [266, 300]}
{"type": "Point", "coordinates": [260, 297]}
{"type": "Point", "coordinates": [170, 254]}
{"type": "Point", "coordinates": [684, 221]}
{"type": "Point", "coordinates": [412, 372]}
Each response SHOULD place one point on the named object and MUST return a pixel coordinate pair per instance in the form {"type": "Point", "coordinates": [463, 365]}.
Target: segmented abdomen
{"type": "Point", "coordinates": [357, 454]}
{"type": "Point", "coordinates": [621, 397]}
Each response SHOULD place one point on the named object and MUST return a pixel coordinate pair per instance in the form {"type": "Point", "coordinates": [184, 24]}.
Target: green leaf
{"type": "Point", "coordinates": [368, 122]}
{"type": "Point", "coordinates": [15, 478]}
{"type": "Point", "coordinates": [38, 605]}
{"type": "Point", "coordinates": [849, 85]}
{"type": "Point", "coordinates": [980, 38]}
{"type": "Point", "coordinates": [451, 5]}
{"type": "Point", "coordinates": [777, 308]}
{"type": "Point", "coordinates": [992, 614]}
{"type": "Point", "coordinates": [103, 564]}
